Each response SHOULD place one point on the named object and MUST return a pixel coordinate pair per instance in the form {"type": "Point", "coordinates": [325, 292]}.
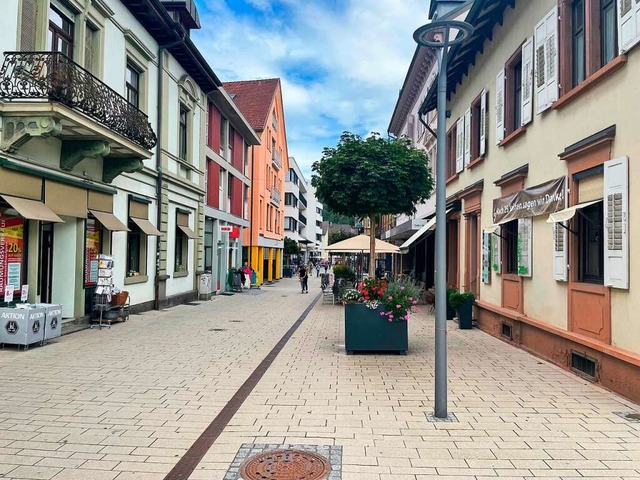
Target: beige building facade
{"type": "Point", "coordinates": [541, 158]}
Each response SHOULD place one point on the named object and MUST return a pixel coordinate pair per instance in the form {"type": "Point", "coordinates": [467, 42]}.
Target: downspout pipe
{"type": "Point", "coordinates": [161, 50]}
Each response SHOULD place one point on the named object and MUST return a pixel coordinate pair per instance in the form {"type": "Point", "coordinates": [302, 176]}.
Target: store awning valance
{"type": "Point", "coordinates": [146, 226]}
{"type": "Point", "coordinates": [188, 232]}
{"type": "Point", "coordinates": [569, 213]}
{"type": "Point", "coordinates": [32, 209]}
{"type": "Point", "coordinates": [495, 228]}
{"type": "Point", "coordinates": [429, 226]}
{"type": "Point", "coordinates": [404, 248]}
{"type": "Point", "coordinates": [109, 221]}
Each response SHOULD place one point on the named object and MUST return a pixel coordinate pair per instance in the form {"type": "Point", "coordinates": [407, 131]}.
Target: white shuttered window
{"type": "Point", "coordinates": [483, 123]}
{"type": "Point", "coordinates": [460, 135]}
{"type": "Point", "coordinates": [467, 137]}
{"type": "Point", "coordinates": [546, 61]}
{"type": "Point", "coordinates": [628, 24]}
{"type": "Point", "coordinates": [527, 81]}
{"type": "Point", "coordinates": [500, 107]}
{"type": "Point", "coordinates": [616, 223]}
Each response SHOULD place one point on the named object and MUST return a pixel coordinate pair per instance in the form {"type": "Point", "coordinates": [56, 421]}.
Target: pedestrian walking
{"type": "Point", "coordinates": [304, 279]}
{"type": "Point", "coordinates": [326, 267]}
{"type": "Point", "coordinates": [247, 275]}
{"type": "Point", "coordinates": [317, 270]}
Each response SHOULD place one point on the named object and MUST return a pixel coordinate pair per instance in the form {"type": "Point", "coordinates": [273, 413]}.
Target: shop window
{"type": "Point", "coordinates": [93, 247]}
{"type": "Point", "coordinates": [12, 249]}
{"type": "Point", "coordinates": [513, 98]}
{"type": "Point", "coordinates": [136, 251]}
{"type": "Point", "coordinates": [181, 251]}
{"type": "Point", "coordinates": [183, 132]}
{"type": "Point", "coordinates": [61, 32]}
{"type": "Point", "coordinates": [510, 245]}
{"type": "Point", "coordinates": [591, 244]}
{"type": "Point", "coordinates": [589, 38]}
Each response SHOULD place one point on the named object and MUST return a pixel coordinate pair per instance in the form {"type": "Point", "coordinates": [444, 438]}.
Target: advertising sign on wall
{"type": "Point", "coordinates": [11, 249]}
{"type": "Point", "coordinates": [92, 250]}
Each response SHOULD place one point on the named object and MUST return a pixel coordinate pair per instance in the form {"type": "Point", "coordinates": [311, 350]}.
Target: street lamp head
{"type": "Point", "coordinates": [437, 34]}
{"type": "Point", "coordinates": [441, 8]}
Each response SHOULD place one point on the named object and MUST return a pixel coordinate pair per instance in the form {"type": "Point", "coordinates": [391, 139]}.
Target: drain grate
{"type": "Point", "coordinates": [286, 465]}
{"type": "Point", "coordinates": [236, 321]}
{"type": "Point", "coordinates": [217, 329]}
{"type": "Point", "coordinates": [191, 304]}
{"type": "Point", "coordinates": [632, 417]}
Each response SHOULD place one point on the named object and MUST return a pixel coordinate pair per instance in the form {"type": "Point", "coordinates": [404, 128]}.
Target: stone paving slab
{"type": "Point", "coordinates": [518, 416]}
{"type": "Point", "coordinates": [127, 402]}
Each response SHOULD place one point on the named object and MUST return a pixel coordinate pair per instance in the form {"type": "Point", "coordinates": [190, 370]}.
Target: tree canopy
{"type": "Point", "coordinates": [291, 247]}
{"type": "Point", "coordinates": [362, 177]}
{"type": "Point", "coordinates": [372, 176]}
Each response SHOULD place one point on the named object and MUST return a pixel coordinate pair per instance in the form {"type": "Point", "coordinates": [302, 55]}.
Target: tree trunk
{"type": "Point", "coordinates": [372, 246]}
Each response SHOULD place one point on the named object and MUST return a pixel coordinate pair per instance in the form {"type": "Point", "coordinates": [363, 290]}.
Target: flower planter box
{"type": "Point", "coordinates": [365, 330]}
{"type": "Point", "coordinates": [465, 315]}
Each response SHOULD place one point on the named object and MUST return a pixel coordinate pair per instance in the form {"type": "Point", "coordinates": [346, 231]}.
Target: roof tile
{"type": "Point", "coordinates": [254, 99]}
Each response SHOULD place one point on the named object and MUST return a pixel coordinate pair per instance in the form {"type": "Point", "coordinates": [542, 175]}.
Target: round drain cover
{"type": "Point", "coordinates": [286, 465]}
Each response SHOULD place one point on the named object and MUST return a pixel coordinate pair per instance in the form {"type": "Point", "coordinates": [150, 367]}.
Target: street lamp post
{"type": "Point", "coordinates": [437, 34]}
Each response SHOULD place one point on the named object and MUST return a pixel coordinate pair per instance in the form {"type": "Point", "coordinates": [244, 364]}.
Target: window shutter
{"type": "Point", "coordinates": [467, 137]}
{"type": "Point", "coordinates": [496, 253]}
{"type": "Point", "coordinates": [551, 52]}
{"type": "Point", "coordinates": [524, 246]}
{"type": "Point", "coordinates": [483, 123]}
{"type": "Point", "coordinates": [560, 258]}
{"type": "Point", "coordinates": [541, 69]}
{"type": "Point", "coordinates": [28, 23]}
{"type": "Point", "coordinates": [486, 258]}
{"type": "Point", "coordinates": [616, 208]}
{"type": "Point", "coordinates": [527, 81]}
{"type": "Point", "coordinates": [627, 26]}
{"type": "Point", "coordinates": [500, 107]}
{"type": "Point", "coordinates": [460, 145]}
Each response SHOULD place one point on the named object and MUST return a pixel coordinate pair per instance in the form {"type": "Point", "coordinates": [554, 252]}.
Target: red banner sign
{"type": "Point", "coordinates": [91, 252]}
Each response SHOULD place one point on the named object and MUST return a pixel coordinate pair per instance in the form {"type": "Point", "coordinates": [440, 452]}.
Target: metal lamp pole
{"type": "Point", "coordinates": [437, 35]}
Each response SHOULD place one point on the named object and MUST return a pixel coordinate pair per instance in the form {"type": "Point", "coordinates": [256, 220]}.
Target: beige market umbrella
{"type": "Point", "coordinates": [361, 244]}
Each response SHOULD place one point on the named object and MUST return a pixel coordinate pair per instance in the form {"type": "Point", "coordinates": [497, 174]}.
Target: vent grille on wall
{"type": "Point", "coordinates": [584, 365]}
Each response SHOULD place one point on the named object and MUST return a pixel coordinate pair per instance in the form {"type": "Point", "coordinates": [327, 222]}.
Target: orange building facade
{"type": "Point", "coordinates": [260, 101]}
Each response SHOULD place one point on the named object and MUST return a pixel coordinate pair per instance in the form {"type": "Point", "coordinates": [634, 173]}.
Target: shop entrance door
{"type": "Point", "coordinates": [46, 261]}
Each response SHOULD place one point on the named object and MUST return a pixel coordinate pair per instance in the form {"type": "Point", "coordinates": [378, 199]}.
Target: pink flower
{"type": "Point", "coordinates": [401, 288]}
{"type": "Point", "coordinates": [390, 319]}
{"type": "Point", "coordinates": [410, 298]}
{"type": "Point", "coordinates": [390, 297]}
{"type": "Point", "coordinates": [415, 302]}
{"type": "Point", "coordinates": [406, 317]}
{"type": "Point", "coordinates": [398, 306]}
{"type": "Point", "coordinates": [390, 316]}
{"type": "Point", "coordinates": [382, 314]}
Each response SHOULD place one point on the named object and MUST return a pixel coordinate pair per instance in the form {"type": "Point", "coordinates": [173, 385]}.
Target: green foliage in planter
{"type": "Point", "coordinates": [341, 270]}
{"type": "Point", "coordinates": [458, 298]}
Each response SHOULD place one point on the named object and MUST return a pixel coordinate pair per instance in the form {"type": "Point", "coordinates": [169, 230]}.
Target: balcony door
{"type": "Point", "coordinates": [61, 29]}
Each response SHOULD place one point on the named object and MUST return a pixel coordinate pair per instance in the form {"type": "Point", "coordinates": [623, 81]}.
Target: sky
{"type": "Point", "coordinates": [341, 62]}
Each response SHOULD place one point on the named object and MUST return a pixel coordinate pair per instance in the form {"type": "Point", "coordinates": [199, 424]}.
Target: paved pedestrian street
{"type": "Point", "coordinates": [127, 403]}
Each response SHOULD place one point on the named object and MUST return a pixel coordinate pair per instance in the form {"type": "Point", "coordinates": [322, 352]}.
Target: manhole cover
{"type": "Point", "coordinates": [286, 465]}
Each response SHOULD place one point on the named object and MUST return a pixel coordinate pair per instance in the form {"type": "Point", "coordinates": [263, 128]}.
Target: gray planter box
{"type": "Point", "coordinates": [367, 331]}
{"type": "Point", "coordinates": [22, 326]}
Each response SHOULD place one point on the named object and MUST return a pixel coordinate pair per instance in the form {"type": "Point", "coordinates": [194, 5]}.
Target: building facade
{"type": "Point", "coordinates": [103, 116]}
{"type": "Point", "coordinates": [303, 213]}
{"type": "Point", "coordinates": [541, 158]}
{"type": "Point", "coordinates": [229, 139]}
{"type": "Point", "coordinates": [260, 101]}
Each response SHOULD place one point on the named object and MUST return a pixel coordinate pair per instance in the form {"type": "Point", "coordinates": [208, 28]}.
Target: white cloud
{"type": "Point", "coordinates": [342, 62]}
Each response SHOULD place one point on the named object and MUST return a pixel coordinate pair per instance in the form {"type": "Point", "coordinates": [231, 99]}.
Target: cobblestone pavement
{"type": "Point", "coordinates": [127, 403]}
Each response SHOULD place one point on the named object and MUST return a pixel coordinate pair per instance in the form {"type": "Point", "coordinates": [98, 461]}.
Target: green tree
{"type": "Point", "coordinates": [291, 247]}
{"type": "Point", "coordinates": [329, 216]}
{"type": "Point", "coordinates": [338, 236]}
{"type": "Point", "coordinates": [373, 176]}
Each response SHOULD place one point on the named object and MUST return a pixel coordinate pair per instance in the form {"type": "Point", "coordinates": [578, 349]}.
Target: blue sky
{"type": "Point", "coordinates": [341, 62]}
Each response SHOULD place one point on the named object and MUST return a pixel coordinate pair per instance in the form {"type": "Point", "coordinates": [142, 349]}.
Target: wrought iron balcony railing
{"type": "Point", "coordinates": [55, 77]}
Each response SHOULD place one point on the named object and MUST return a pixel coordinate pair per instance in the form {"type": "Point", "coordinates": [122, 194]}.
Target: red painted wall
{"type": "Point", "coordinates": [214, 128]}
{"type": "Point", "coordinates": [236, 197]}
{"type": "Point", "coordinates": [238, 151]}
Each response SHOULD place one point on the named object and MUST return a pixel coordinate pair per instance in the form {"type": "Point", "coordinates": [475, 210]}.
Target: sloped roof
{"type": "Point", "coordinates": [254, 99]}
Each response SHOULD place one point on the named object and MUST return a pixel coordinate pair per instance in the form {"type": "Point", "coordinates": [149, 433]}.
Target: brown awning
{"type": "Point", "coordinates": [109, 221]}
{"type": "Point", "coordinates": [32, 209]}
{"type": "Point", "coordinates": [146, 226]}
{"type": "Point", "coordinates": [65, 199]}
{"type": "Point", "coordinates": [187, 231]}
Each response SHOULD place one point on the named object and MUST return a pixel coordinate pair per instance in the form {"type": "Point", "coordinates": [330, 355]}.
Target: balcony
{"type": "Point", "coordinates": [51, 95]}
{"type": "Point", "coordinates": [302, 218]}
{"type": "Point", "coordinates": [303, 201]}
{"type": "Point", "coordinates": [275, 196]}
{"type": "Point", "coordinates": [276, 158]}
